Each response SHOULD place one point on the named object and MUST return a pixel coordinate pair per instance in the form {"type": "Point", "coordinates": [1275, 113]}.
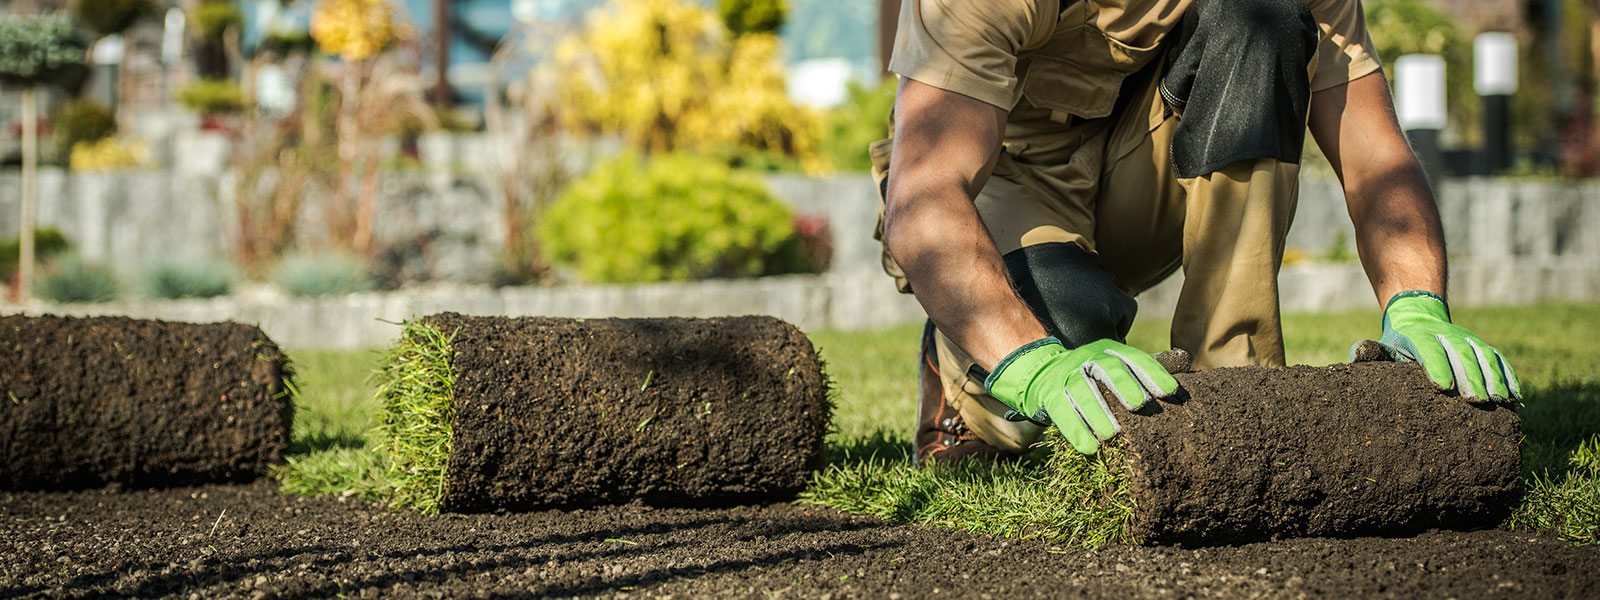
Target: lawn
{"type": "Point", "coordinates": [1553, 348]}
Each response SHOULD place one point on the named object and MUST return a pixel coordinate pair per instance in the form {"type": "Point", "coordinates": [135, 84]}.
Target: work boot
{"type": "Point", "coordinates": [942, 436]}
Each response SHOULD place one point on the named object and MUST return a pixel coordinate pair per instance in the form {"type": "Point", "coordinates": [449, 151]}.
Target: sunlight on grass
{"type": "Point", "coordinates": [1072, 499]}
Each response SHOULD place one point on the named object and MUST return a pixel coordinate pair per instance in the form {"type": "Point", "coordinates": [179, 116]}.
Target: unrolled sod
{"type": "Point", "coordinates": [484, 413]}
{"type": "Point", "coordinates": [87, 402]}
{"type": "Point", "coordinates": [1255, 453]}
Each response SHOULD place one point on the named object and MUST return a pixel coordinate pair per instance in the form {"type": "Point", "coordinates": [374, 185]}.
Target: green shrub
{"type": "Point", "coordinates": [323, 275]}
{"type": "Point", "coordinates": [72, 280]}
{"type": "Point", "coordinates": [48, 243]}
{"type": "Point", "coordinates": [166, 279]}
{"type": "Point", "coordinates": [39, 49]}
{"type": "Point", "coordinates": [84, 121]}
{"type": "Point", "coordinates": [212, 97]}
{"type": "Point", "coordinates": [753, 16]}
{"type": "Point", "coordinates": [106, 17]}
{"type": "Point", "coordinates": [678, 217]}
{"type": "Point", "coordinates": [860, 121]}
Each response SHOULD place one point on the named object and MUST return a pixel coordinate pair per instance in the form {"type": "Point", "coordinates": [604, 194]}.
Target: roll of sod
{"type": "Point", "coordinates": [484, 413]}
{"type": "Point", "coordinates": [1361, 449]}
{"type": "Point", "coordinates": [101, 401]}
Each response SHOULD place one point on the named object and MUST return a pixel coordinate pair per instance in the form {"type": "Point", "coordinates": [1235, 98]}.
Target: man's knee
{"type": "Point", "coordinates": [1075, 298]}
{"type": "Point", "coordinates": [1236, 72]}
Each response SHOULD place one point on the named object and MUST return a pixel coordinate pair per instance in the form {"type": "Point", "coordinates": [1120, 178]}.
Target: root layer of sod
{"type": "Point", "coordinates": [483, 413]}
{"type": "Point", "coordinates": [252, 542]}
{"type": "Point", "coordinates": [87, 402]}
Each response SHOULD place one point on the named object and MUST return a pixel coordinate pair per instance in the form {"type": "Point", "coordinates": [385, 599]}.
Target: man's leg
{"type": "Point", "coordinates": [1223, 196]}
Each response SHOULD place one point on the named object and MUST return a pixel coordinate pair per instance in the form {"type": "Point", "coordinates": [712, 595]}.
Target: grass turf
{"type": "Point", "coordinates": [1055, 496]}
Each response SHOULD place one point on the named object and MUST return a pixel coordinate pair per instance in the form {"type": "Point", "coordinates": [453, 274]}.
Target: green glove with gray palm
{"type": "Point", "coordinates": [1417, 327]}
{"type": "Point", "coordinates": [1044, 382]}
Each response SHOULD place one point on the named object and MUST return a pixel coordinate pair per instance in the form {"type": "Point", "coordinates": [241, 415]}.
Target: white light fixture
{"type": "Point", "coordinates": [172, 37]}
{"type": "Point", "coordinates": [1495, 64]}
{"type": "Point", "coordinates": [1419, 91]}
{"type": "Point", "coordinates": [109, 50]}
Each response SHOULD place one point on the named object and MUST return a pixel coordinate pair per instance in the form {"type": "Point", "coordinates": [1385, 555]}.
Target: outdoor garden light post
{"type": "Point", "coordinates": [1421, 106]}
{"type": "Point", "coordinates": [1495, 78]}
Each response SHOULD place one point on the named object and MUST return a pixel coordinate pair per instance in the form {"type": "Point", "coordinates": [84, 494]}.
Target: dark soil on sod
{"type": "Point", "coordinates": [86, 402]}
{"type": "Point", "coordinates": [571, 412]}
{"type": "Point", "coordinates": [1251, 453]}
{"type": "Point", "coordinates": [251, 542]}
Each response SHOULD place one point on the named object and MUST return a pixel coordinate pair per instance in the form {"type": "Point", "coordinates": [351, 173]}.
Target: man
{"type": "Point", "coordinates": [1051, 158]}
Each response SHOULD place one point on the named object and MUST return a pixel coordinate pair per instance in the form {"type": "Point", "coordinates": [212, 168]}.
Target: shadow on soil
{"type": "Point", "coordinates": [438, 565]}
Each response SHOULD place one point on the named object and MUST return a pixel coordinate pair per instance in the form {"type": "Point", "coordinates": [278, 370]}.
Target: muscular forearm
{"type": "Point", "coordinates": [1398, 234]}
{"type": "Point", "coordinates": [1397, 223]}
{"type": "Point", "coordinates": [938, 240]}
{"type": "Point", "coordinates": [945, 146]}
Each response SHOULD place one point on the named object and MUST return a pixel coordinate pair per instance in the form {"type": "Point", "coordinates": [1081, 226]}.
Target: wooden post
{"type": "Point", "coordinates": [442, 95]}
{"type": "Point", "coordinates": [30, 172]}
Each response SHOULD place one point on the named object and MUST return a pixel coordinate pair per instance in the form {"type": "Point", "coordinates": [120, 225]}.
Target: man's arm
{"type": "Point", "coordinates": [945, 145]}
{"type": "Point", "coordinates": [1398, 234]}
{"type": "Point", "coordinates": [1400, 240]}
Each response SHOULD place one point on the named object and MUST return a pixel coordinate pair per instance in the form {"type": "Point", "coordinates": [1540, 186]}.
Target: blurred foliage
{"type": "Point", "coordinates": [212, 97]}
{"type": "Point", "coordinates": [284, 43]}
{"type": "Point", "coordinates": [323, 274]}
{"type": "Point", "coordinates": [354, 29]}
{"type": "Point", "coordinates": [39, 49]}
{"type": "Point", "coordinates": [72, 280]}
{"type": "Point", "coordinates": [1400, 27]}
{"type": "Point", "coordinates": [743, 17]}
{"type": "Point", "coordinates": [856, 124]}
{"type": "Point", "coordinates": [673, 218]}
{"type": "Point", "coordinates": [109, 154]}
{"type": "Point", "coordinates": [105, 17]}
{"type": "Point", "coordinates": [80, 121]}
{"type": "Point", "coordinates": [665, 75]}
{"type": "Point", "coordinates": [169, 278]}
{"type": "Point", "coordinates": [213, 18]}
{"type": "Point", "coordinates": [48, 243]}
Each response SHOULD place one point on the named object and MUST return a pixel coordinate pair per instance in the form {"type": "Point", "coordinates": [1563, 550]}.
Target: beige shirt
{"type": "Point", "coordinates": [1067, 58]}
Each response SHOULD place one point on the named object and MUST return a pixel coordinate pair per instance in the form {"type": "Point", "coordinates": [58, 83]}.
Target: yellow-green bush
{"type": "Point", "coordinates": [212, 97]}
{"type": "Point", "coordinates": [753, 16]}
{"type": "Point", "coordinates": [674, 218]}
{"type": "Point", "coordinates": [80, 121]}
{"type": "Point", "coordinates": [109, 154]}
{"type": "Point", "coordinates": [665, 75]}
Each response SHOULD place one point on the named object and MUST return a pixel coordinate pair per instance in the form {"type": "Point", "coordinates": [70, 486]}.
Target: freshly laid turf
{"type": "Point", "coordinates": [869, 472]}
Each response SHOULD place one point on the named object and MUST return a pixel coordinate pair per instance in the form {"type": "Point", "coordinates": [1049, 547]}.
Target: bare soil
{"type": "Point", "coordinates": [87, 402]}
{"type": "Point", "coordinates": [567, 412]}
{"type": "Point", "coordinates": [1252, 453]}
{"type": "Point", "coordinates": [248, 541]}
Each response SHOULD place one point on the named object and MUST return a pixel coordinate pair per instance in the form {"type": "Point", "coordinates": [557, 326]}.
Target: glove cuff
{"type": "Point", "coordinates": [1414, 306]}
{"type": "Point", "coordinates": [1009, 380]}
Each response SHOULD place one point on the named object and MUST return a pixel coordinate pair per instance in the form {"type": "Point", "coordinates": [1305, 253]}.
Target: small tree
{"type": "Point", "coordinates": [34, 51]}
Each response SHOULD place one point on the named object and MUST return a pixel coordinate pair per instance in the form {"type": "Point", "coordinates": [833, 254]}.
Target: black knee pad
{"type": "Point", "coordinates": [1072, 295]}
{"type": "Point", "coordinates": [1236, 73]}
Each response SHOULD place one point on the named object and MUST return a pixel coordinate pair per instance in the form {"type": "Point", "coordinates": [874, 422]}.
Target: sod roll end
{"type": "Point", "coordinates": [88, 402]}
{"type": "Point", "coordinates": [483, 413]}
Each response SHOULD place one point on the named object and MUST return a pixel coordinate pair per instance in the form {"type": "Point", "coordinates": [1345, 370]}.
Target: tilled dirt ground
{"type": "Point", "coordinates": [251, 542]}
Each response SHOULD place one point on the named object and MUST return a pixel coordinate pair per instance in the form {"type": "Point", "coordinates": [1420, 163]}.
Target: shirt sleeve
{"type": "Point", "coordinates": [970, 47]}
{"type": "Point", "coordinates": [1346, 52]}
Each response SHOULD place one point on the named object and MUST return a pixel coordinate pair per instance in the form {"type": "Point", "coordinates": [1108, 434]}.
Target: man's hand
{"type": "Point", "coordinates": [1417, 327]}
{"type": "Point", "coordinates": [1044, 382]}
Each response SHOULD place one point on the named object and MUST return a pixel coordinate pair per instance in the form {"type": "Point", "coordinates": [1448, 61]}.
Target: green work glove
{"type": "Point", "coordinates": [1044, 382]}
{"type": "Point", "coordinates": [1416, 327]}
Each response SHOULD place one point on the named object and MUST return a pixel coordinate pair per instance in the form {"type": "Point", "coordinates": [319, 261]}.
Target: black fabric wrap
{"type": "Point", "coordinates": [1236, 73]}
{"type": "Point", "coordinates": [1072, 295]}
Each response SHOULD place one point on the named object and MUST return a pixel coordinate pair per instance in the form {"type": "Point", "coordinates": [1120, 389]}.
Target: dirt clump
{"type": "Point", "coordinates": [89, 402]}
